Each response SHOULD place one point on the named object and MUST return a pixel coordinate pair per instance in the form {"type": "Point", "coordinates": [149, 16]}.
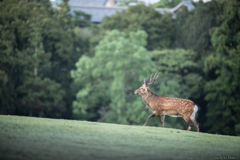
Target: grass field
{"type": "Point", "coordinates": [25, 138]}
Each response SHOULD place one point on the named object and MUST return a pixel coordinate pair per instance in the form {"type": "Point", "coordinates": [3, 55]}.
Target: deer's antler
{"type": "Point", "coordinates": [152, 80]}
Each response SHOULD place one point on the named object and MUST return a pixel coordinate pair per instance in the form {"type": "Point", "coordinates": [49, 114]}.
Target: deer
{"type": "Point", "coordinates": [163, 105]}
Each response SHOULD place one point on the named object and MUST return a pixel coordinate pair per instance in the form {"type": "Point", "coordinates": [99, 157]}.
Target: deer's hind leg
{"type": "Point", "coordinates": [195, 124]}
{"type": "Point", "coordinates": [190, 125]}
{"type": "Point", "coordinates": [189, 121]}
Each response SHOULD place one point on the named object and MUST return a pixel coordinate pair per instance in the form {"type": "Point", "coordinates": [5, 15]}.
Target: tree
{"type": "Point", "coordinates": [61, 41]}
{"type": "Point", "coordinates": [41, 95]}
{"type": "Point", "coordinates": [193, 32]}
{"type": "Point", "coordinates": [167, 4]}
{"type": "Point", "coordinates": [223, 68]}
{"type": "Point", "coordinates": [180, 77]}
{"type": "Point", "coordinates": [106, 81]}
{"type": "Point", "coordinates": [180, 66]}
{"type": "Point", "coordinates": [193, 28]}
{"type": "Point", "coordinates": [82, 19]}
{"type": "Point", "coordinates": [24, 55]}
{"type": "Point", "coordinates": [160, 28]}
{"type": "Point", "coordinates": [40, 48]}
{"type": "Point", "coordinates": [14, 34]}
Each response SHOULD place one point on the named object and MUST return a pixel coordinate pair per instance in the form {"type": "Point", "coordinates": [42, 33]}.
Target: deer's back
{"type": "Point", "coordinates": [172, 106]}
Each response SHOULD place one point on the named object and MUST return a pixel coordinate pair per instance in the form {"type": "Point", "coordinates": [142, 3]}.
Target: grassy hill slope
{"type": "Point", "coordinates": [27, 138]}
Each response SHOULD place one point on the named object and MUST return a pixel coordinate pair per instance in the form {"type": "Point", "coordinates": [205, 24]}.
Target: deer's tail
{"type": "Point", "coordinates": [192, 117]}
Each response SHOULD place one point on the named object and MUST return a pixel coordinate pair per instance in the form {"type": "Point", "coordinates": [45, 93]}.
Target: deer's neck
{"type": "Point", "coordinates": [147, 98]}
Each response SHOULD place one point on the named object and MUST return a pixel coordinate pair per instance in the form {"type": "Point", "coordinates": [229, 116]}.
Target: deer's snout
{"type": "Point", "coordinates": [135, 92]}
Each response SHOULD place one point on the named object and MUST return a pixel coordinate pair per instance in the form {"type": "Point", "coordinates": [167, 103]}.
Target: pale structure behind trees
{"type": "Point", "coordinates": [101, 8]}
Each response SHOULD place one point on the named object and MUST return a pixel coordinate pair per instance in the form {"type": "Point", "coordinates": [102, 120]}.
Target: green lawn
{"type": "Point", "coordinates": [27, 138]}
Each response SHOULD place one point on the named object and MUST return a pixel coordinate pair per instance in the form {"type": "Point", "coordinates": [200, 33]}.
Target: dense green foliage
{"type": "Point", "coordinates": [180, 77]}
{"type": "Point", "coordinates": [82, 19]}
{"type": "Point", "coordinates": [193, 28]}
{"type": "Point", "coordinates": [54, 64]}
{"type": "Point", "coordinates": [38, 49]}
{"type": "Point", "coordinates": [27, 138]}
{"type": "Point", "coordinates": [160, 28]}
{"type": "Point", "coordinates": [178, 66]}
{"type": "Point", "coordinates": [167, 3]}
{"type": "Point", "coordinates": [223, 69]}
{"type": "Point", "coordinates": [107, 80]}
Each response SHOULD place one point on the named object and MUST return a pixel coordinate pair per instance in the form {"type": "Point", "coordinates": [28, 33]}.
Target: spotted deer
{"type": "Point", "coordinates": [162, 105]}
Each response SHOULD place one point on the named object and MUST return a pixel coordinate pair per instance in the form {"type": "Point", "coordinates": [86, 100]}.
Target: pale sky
{"type": "Point", "coordinates": [155, 1]}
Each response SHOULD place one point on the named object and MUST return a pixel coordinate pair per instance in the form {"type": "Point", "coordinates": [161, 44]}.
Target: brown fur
{"type": "Point", "coordinates": [161, 105]}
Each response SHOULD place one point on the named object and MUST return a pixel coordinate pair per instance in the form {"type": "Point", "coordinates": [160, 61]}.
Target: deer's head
{"type": "Point", "coordinates": [144, 89]}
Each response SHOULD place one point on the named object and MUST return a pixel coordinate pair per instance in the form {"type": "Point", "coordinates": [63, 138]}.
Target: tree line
{"type": "Point", "coordinates": [57, 65]}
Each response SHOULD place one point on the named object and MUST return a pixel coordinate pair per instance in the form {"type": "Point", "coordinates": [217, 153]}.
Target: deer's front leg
{"type": "Point", "coordinates": [149, 117]}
